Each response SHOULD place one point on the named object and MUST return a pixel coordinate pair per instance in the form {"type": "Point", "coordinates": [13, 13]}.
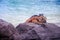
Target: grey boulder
{"type": "Point", "coordinates": [31, 31]}
{"type": "Point", "coordinates": [8, 32]}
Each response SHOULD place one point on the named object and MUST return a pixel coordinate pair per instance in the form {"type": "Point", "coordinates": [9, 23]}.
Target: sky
{"type": "Point", "coordinates": [18, 11]}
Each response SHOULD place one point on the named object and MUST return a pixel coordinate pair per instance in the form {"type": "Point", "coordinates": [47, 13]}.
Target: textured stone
{"type": "Point", "coordinates": [33, 31]}
{"type": "Point", "coordinates": [7, 31]}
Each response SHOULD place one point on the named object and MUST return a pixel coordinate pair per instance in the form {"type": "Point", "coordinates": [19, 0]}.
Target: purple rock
{"type": "Point", "coordinates": [33, 31]}
{"type": "Point", "coordinates": [8, 32]}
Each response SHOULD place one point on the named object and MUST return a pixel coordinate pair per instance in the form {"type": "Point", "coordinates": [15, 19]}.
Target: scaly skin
{"type": "Point", "coordinates": [37, 20]}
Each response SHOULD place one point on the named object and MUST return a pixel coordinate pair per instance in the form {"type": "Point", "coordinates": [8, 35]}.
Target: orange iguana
{"type": "Point", "coordinates": [37, 19]}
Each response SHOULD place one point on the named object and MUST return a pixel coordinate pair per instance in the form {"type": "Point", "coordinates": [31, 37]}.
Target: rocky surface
{"type": "Point", "coordinates": [30, 31]}
{"type": "Point", "coordinates": [7, 31]}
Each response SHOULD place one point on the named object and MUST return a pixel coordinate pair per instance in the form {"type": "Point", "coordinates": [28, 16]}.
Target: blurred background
{"type": "Point", "coordinates": [18, 11]}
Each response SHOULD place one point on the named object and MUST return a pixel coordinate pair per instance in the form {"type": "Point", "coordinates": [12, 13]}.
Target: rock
{"type": "Point", "coordinates": [7, 31]}
{"type": "Point", "coordinates": [31, 31]}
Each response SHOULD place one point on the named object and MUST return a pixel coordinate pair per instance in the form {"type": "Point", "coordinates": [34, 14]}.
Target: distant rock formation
{"type": "Point", "coordinates": [7, 31]}
{"type": "Point", "coordinates": [31, 31]}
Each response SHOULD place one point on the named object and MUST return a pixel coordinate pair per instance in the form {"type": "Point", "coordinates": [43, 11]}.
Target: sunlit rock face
{"type": "Point", "coordinates": [31, 31]}
{"type": "Point", "coordinates": [7, 31]}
